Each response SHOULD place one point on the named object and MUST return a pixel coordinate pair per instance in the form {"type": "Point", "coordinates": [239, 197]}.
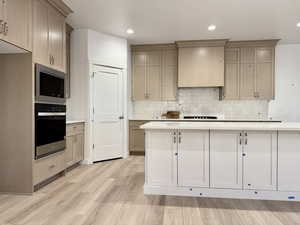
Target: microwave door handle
{"type": "Point", "coordinates": [51, 114]}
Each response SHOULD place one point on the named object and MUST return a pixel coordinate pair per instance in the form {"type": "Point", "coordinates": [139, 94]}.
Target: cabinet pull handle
{"type": "Point", "coordinates": [174, 139]}
{"type": "Point", "coordinates": [179, 139]}
{"type": "Point", "coordinates": [1, 26]}
{"type": "Point", "coordinates": [53, 60]}
{"type": "Point", "coordinates": [52, 166]}
{"type": "Point", "coordinates": [246, 140]}
{"type": "Point", "coordinates": [240, 138]}
{"type": "Point", "coordinates": [5, 28]}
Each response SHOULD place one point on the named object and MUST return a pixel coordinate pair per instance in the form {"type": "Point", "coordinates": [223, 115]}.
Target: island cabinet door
{"type": "Point", "coordinates": [288, 161]}
{"type": "Point", "coordinates": [193, 158]}
{"type": "Point", "coordinates": [260, 160]}
{"type": "Point", "coordinates": [161, 155]}
{"type": "Point", "coordinates": [226, 159]}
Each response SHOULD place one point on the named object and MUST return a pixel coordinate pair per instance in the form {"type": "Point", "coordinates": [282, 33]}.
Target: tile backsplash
{"type": "Point", "coordinates": [202, 101]}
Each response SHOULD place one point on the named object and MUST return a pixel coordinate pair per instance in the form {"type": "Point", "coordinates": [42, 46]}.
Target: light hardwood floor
{"type": "Point", "coordinates": [111, 193]}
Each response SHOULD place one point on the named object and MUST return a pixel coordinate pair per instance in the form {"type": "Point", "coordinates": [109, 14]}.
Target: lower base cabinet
{"type": "Point", "coordinates": [52, 165]}
{"type": "Point", "coordinates": [193, 158]}
{"type": "Point", "coordinates": [288, 161]}
{"type": "Point", "coordinates": [243, 160]}
{"type": "Point", "coordinates": [75, 144]}
{"type": "Point", "coordinates": [161, 158]}
{"type": "Point", "coordinates": [260, 160]}
{"type": "Point", "coordinates": [136, 138]}
{"type": "Point", "coordinates": [226, 159]}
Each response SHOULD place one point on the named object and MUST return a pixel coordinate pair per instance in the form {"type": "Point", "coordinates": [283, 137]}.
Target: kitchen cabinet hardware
{"type": "Point", "coordinates": [5, 31]}
{"type": "Point", "coordinates": [174, 139]}
{"type": "Point", "coordinates": [1, 26]}
{"type": "Point", "coordinates": [52, 166]}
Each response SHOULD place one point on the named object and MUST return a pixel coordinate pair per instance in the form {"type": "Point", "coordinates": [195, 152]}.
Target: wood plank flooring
{"type": "Point", "coordinates": [111, 193]}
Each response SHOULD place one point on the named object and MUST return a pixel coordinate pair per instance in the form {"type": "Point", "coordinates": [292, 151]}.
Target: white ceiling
{"type": "Point", "coordinates": [163, 21]}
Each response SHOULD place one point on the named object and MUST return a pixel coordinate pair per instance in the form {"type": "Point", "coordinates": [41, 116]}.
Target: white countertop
{"type": "Point", "coordinates": [75, 121]}
{"type": "Point", "coordinates": [222, 126]}
{"type": "Point", "coordinates": [208, 120]}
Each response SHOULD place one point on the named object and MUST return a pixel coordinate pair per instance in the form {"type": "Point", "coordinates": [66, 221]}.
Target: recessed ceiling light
{"type": "Point", "coordinates": [212, 27]}
{"type": "Point", "coordinates": [298, 24]}
{"type": "Point", "coordinates": [129, 31]}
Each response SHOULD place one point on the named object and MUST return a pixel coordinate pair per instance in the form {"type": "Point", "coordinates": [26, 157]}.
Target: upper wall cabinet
{"type": "Point", "coordinates": [249, 70]}
{"type": "Point", "coordinates": [201, 63]}
{"type": "Point", "coordinates": [154, 72]}
{"type": "Point", "coordinates": [49, 32]}
{"type": "Point", "coordinates": [16, 23]}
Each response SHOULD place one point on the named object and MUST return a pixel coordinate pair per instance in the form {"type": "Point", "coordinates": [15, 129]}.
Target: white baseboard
{"type": "Point", "coordinates": [222, 193]}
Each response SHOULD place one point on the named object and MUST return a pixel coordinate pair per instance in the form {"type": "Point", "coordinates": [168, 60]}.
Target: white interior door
{"type": "Point", "coordinates": [107, 114]}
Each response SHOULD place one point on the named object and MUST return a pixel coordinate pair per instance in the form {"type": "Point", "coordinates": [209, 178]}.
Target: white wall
{"type": "Point", "coordinates": [286, 105]}
{"type": "Point", "coordinates": [107, 50]}
{"type": "Point", "coordinates": [90, 48]}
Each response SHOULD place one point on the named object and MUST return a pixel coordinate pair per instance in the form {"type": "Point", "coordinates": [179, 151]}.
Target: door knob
{"type": "Point", "coordinates": [121, 117]}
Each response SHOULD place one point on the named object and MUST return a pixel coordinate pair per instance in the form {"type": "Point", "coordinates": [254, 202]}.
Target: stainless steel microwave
{"type": "Point", "coordinates": [49, 85]}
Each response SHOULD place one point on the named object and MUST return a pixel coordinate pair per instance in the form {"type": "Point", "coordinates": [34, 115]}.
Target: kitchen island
{"type": "Point", "coordinates": [223, 160]}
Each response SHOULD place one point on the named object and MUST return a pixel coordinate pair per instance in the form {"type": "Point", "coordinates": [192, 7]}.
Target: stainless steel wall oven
{"type": "Point", "coordinates": [50, 129]}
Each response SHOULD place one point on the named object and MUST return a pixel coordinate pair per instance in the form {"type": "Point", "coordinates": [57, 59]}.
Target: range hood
{"type": "Point", "coordinates": [201, 63]}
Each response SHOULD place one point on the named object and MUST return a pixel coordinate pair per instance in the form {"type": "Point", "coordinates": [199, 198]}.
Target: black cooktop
{"type": "Point", "coordinates": [200, 117]}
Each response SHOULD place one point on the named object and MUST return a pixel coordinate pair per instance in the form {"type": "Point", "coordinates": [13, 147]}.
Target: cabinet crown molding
{"type": "Point", "coordinates": [153, 47]}
{"type": "Point", "coordinates": [253, 43]}
{"type": "Point", "coordinates": [61, 7]}
{"type": "Point", "coordinates": [202, 43]}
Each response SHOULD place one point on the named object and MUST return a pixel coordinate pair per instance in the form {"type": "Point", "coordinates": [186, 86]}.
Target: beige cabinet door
{"type": "Point", "coordinates": [232, 73]}
{"type": "Point", "coordinates": [139, 76]}
{"type": "Point", "coordinates": [247, 55]}
{"type": "Point", "coordinates": [169, 75]}
{"type": "Point", "coordinates": [40, 33]}
{"type": "Point", "coordinates": [201, 67]}
{"type": "Point", "coordinates": [264, 85]}
{"type": "Point", "coordinates": [69, 153]}
{"type": "Point", "coordinates": [78, 148]}
{"type": "Point", "coordinates": [57, 39]}
{"type": "Point", "coordinates": [137, 140]}
{"type": "Point", "coordinates": [1, 19]}
{"type": "Point", "coordinates": [247, 81]}
{"type": "Point", "coordinates": [154, 69]}
{"type": "Point", "coordinates": [18, 20]}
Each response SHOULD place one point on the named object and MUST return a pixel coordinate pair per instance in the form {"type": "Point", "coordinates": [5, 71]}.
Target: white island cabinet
{"type": "Point", "coordinates": [243, 159]}
{"type": "Point", "coordinates": [229, 160]}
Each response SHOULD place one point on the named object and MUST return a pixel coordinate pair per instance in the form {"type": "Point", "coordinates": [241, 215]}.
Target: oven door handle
{"type": "Point", "coordinates": [51, 114]}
